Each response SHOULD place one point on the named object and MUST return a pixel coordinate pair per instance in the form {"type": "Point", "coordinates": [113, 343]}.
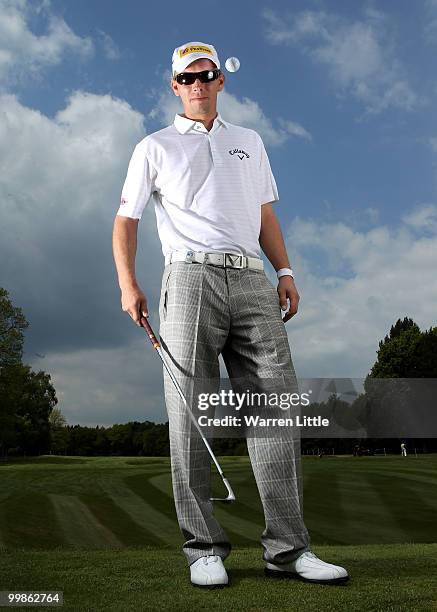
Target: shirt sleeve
{"type": "Point", "coordinates": [138, 185]}
{"type": "Point", "coordinates": [267, 184]}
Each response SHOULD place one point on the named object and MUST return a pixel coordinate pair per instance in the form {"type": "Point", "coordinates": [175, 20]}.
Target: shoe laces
{"type": "Point", "coordinates": [210, 559]}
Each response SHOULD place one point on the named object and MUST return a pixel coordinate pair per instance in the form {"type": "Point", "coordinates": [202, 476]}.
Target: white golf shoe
{"type": "Point", "coordinates": [308, 568]}
{"type": "Point", "coordinates": [209, 572]}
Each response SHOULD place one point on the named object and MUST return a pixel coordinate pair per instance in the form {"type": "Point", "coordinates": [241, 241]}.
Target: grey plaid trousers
{"type": "Point", "coordinates": [206, 311]}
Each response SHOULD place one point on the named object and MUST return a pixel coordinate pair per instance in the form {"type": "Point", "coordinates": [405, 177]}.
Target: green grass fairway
{"type": "Point", "coordinates": [107, 502]}
{"type": "Point", "coordinates": [398, 578]}
{"type": "Point", "coordinates": [62, 519]}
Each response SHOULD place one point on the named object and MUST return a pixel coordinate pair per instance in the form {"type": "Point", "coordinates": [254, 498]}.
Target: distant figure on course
{"type": "Point", "coordinates": [403, 449]}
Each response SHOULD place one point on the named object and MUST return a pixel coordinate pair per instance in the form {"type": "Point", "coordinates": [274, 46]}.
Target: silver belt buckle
{"type": "Point", "coordinates": [189, 257]}
{"type": "Point", "coordinates": [233, 261]}
{"type": "Point", "coordinates": [207, 260]}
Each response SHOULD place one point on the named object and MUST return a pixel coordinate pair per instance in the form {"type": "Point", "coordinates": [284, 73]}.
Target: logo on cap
{"type": "Point", "coordinates": [193, 49]}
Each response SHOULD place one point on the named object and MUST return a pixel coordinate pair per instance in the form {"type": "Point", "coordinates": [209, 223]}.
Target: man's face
{"type": "Point", "coordinates": [199, 99]}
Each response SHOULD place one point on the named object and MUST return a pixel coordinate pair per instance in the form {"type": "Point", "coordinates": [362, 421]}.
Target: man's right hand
{"type": "Point", "coordinates": [134, 302]}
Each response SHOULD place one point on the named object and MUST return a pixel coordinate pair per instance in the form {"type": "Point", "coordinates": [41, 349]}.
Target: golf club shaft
{"type": "Point", "coordinates": [157, 345]}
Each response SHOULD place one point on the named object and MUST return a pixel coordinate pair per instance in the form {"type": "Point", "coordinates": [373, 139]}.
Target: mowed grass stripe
{"type": "Point", "coordinates": [236, 523]}
{"type": "Point", "coordinates": [248, 505]}
{"type": "Point", "coordinates": [147, 487]}
{"type": "Point", "coordinates": [325, 516]}
{"type": "Point", "coordinates": [415, 476]}
{"type": "Point", "coordinates": [79, 525]}
{"type": "Point", "coordinates": [124, 528]}
{"type": "Point", "coordinates": [240, 530]}
{"type": "Point", "coordinates": [144, 514]}
{"type": "Point", "coordinates": [404, 502]}
{"type": "Point", "coordinates": [156, 486]}
{"type": "Point", "coordinates": [367, 516]}
{"type": "Point", "coordinates": [30, 521]}
{"type": "Point", "coordinates": [365, 502]}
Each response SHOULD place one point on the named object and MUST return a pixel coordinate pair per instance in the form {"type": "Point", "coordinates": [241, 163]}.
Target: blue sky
{"type": "Point", "coordinates": [344, 97]}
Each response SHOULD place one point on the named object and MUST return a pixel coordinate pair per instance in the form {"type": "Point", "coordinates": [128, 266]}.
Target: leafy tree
{"type": "Point", "coordinates": [399, 327]}
{"type": "Point", "coordinates": [12, 323]}
{"type": "Point", "coordinates": [155, 440]}
{"type": "Point", "coordinates": [58, 431]}
{"type": "Point", "coordinates": [81, 440]}
{"type": "Point", "coordinates": [407, 352]}
{"type": "Point", "coordinates": [120, 437]}
{"type": "Point", "coordinates": [425, 355]}
{"type": "Point", "coordinates": [26, 397]}
{"type": "Point", "coordinates": [57, 419]}
{"type": "Point", "coordinates": [102, 444]}
{"type": "Point", "coordinates": [29, 398]}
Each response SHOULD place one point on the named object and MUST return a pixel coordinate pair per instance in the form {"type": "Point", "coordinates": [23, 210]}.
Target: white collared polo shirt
{"type": "Point", "coordinates": [207, 187]}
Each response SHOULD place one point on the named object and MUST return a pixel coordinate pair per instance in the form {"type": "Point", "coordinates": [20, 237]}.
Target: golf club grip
{"type": "Point", "coordinates": [149, 331]}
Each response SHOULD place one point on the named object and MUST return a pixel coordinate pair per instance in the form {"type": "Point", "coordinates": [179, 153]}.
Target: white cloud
{"type": "Point", "coordinates": [368, 280]}
{"type": "Point", "coordinates": [245, 112]}
{"type": "Point", "coordinates": [422, 218]}
{"type": "Point", "coordinates": [24, 54]}
{"type": "Point", "coordinates": [430, 28]}
{"type": "Point", "coordinates": [110, 49]}
{"type": "Point", "coordinates": [295, 129]}
{"type": "Point", "coordinates": [359, 55]}
{"type": "Point", "coordinates": [70, 158]}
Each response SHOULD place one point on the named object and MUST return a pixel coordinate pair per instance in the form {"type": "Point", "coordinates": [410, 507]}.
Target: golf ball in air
{"type": "Point", "coordinates": [232, 64]}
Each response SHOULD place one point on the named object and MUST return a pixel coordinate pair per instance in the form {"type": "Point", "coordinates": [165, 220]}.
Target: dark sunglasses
{"type": "Point", "coordinates": [205, 76]}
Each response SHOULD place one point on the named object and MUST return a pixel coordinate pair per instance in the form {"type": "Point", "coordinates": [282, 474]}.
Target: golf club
{"type": "Point", "coordinates": [156, 345]}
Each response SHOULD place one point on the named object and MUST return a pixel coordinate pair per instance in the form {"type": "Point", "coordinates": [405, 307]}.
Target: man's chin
{"type": "Point", "coordinates": [200, 108]}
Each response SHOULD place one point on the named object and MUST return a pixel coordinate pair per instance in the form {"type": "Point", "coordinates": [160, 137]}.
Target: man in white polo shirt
{"type": "Point", "coordinates": [213, 189]}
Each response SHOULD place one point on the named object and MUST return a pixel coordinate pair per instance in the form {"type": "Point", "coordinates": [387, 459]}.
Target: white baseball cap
{"type": "Point", "coordinates": [185, 54]}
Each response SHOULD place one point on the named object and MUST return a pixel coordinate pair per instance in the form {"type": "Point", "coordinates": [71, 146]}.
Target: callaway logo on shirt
{"type": "Point", "coordinates": [240, 153]}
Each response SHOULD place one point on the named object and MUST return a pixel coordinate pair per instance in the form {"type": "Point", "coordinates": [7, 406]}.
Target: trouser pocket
{"type": "Point", "coordinates": [164, 292]}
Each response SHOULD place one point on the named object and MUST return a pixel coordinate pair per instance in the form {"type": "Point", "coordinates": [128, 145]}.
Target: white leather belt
{"type": "Point", "coordinates": [225, 260]}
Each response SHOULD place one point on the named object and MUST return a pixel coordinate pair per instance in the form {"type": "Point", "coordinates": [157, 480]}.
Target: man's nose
{"type": "Point", "coordinates": [197, 82]}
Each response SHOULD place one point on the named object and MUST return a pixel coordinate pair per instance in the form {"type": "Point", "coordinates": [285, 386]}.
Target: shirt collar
{"type": "Point", "coordinates": [184, 125]}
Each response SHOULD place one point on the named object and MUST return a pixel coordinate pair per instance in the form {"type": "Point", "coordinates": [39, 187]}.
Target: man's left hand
{"type": "Point", "coordinates": [287, 290]}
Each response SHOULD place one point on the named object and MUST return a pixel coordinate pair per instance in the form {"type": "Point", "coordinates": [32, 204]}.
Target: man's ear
{"type": "Point", "coordinates": [174, 88]}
